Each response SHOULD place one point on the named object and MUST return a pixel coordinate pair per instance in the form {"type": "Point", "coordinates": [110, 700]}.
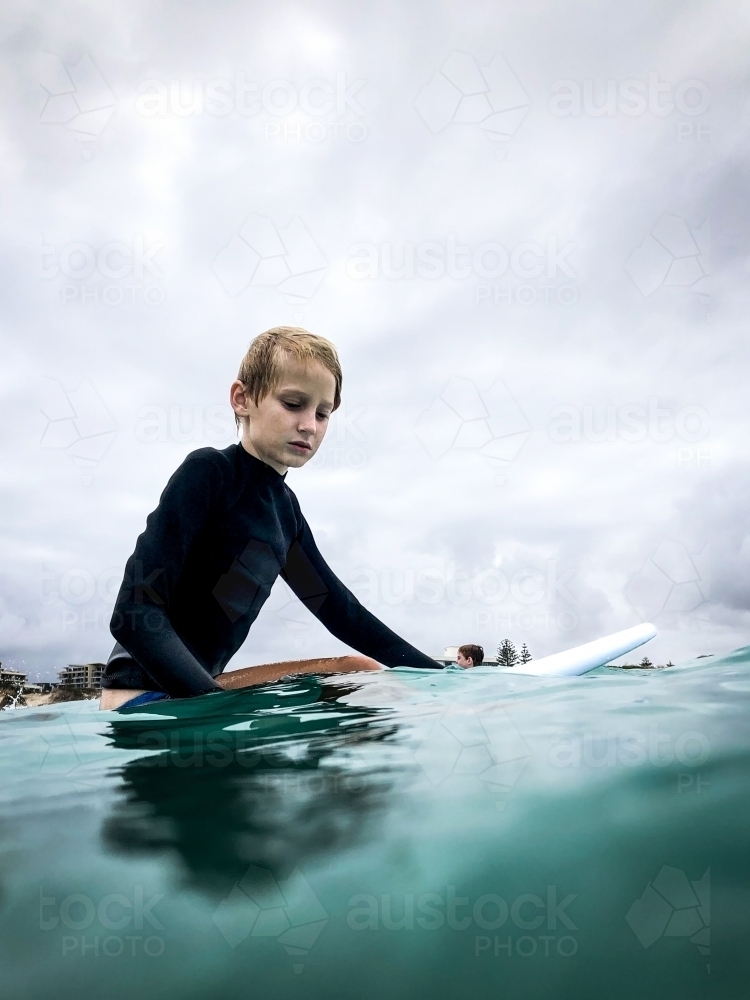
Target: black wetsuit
{"type": "Point", "coordinates": [226, 526]}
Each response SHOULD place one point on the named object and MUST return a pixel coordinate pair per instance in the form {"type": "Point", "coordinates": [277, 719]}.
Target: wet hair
{"type": "Point", "coordinates": [260, 369]}
{"type": "Point", "coordinates": [474, 653]}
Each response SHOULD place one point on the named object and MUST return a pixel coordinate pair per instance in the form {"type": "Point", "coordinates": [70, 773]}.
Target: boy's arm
{"type": "Point", "coordinates": [320, 590]}
{"type": "Point", "coordinates": [140, 622]}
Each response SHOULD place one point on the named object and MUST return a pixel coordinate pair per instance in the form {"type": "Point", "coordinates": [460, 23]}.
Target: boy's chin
{"type": "Point", "coordinates": [295, 460]}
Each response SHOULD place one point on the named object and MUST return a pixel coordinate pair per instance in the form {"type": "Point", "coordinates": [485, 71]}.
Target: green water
{"type": "Point", "coordinates": [410, 835]}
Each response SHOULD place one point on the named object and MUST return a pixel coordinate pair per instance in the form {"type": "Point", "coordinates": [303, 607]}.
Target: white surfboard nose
{"type": "Point", "coordinates": [594, 654]}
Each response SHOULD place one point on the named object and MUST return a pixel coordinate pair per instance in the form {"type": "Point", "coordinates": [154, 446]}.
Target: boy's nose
{"type": "Point", "coordinates": [307, 423]}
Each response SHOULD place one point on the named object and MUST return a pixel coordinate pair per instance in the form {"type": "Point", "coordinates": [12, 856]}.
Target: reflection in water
{"type": "Point", "coordinates": [301, 847]}
{"type": "Point", "coordinates": [269, 777]}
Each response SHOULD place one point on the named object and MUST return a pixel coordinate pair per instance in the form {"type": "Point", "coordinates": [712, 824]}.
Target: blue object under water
{"type": "Point", "coordinates": [405, 834]}
{"type": "Point", "coordinates": [145, 699]}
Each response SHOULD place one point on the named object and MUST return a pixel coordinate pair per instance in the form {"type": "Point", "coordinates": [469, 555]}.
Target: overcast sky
{"type": "Point", "coordinates": [524, 226]}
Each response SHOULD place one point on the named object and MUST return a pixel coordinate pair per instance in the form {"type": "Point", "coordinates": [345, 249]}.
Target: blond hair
{"type": "Point", "coordinates": [260, 369]}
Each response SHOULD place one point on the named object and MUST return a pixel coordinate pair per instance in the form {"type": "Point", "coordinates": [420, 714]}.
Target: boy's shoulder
{"type": "Point", "coordinates": [219, 457]}
{"type": "Point", "coordinates": [224, 465]}
{"type": "Point", "coordinates": [208, 463]}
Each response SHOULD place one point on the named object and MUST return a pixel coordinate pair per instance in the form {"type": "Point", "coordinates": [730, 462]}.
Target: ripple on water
{"type": "Point", "coordinates": [385, 836]}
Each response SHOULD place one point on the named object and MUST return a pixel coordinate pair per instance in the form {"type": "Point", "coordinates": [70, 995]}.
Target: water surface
{"type": "Point", "coordinates": [468, 833]}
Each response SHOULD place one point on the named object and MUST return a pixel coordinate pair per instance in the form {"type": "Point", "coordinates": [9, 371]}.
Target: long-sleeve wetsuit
{"type": "Point", "coordinates": [226, 526]}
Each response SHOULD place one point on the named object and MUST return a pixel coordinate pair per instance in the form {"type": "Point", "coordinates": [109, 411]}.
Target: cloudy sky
{"type": "Point", "coordinates": [524, 225]}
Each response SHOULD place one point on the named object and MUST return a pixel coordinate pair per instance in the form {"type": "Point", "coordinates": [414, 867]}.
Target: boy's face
{"type": "Point", "coordinates": [464, 661]}
{"type": "Point", "coordinates": [288, 425]}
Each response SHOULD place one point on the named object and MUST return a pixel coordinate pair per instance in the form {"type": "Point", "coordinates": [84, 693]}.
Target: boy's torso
{"type": "Point", "coordinates": [236, 558]}
{"type": "Point", "coordinates": [237, 553]}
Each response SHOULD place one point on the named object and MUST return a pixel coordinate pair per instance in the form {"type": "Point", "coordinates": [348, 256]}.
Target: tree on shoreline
{"type": "Point", "coordinates": [506, 654]}
{"type": "Point", "coordinates": [525, 655]}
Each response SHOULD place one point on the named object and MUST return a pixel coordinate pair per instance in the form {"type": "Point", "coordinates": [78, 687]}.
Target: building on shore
{"type": "Point", "coordinates": [11, 678]}
{"type": "Point", "coordinates": [82, 675]}
{"type": "Point", "coordinates": [18, 680]}
{"type": "Point", "coordinates": [451, 652]}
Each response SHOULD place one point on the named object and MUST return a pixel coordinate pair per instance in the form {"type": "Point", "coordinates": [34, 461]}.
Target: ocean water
{"type": "Point", "coordinates": [409, 834]}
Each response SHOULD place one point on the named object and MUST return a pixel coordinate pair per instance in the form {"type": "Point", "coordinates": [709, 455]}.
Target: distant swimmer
{"type": "Point", "coordinates": [226, 527]}
{"type": "Point", "coordinates": [470, 656]}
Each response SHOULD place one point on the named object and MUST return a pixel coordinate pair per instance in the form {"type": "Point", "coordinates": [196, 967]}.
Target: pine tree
{"type": "Point", "coordinates": [645, 662]}
{"type": "Point", "coordinates": [506, 654]}
{"type": "Point", "coordinates": [525, 655]}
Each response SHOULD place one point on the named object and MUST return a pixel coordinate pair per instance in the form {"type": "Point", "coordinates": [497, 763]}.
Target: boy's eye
{"type": "Point", "coordinates": [295, 404]}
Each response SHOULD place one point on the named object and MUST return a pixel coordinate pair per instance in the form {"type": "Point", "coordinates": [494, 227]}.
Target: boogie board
{"type": "Point", "coordinates": [581, 659]}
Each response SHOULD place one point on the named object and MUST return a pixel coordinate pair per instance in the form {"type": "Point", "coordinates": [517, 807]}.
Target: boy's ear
{"type": "Point", "coordinates": [238, 398]}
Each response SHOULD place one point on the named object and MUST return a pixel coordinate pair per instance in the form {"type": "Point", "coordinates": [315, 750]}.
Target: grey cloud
{"type": "Point", "coordinates": [378, 501]}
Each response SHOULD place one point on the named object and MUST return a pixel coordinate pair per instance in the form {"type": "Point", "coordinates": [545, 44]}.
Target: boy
{"type": "Point", "coordinates": [226, 526]}
{"type": "Point", "coordinates": [469, 656]}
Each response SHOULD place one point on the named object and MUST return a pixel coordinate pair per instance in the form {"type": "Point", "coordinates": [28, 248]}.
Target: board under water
{"type": "Point", "coordinates": [426, 834]}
